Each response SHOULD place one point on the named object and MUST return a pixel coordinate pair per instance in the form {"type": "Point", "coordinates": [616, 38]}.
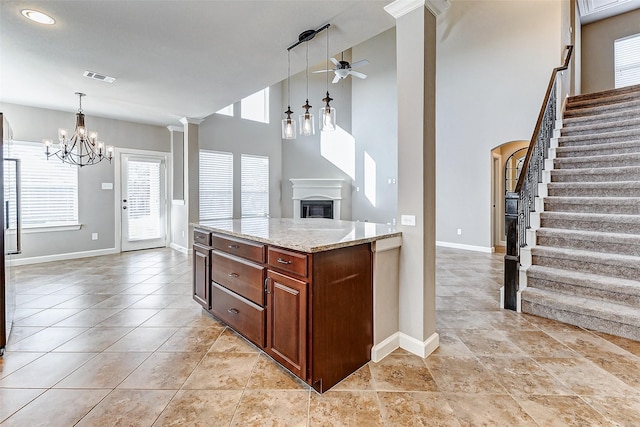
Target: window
{"type": "Point", "coordinates": [256, 107]}
{"type": "Point", "coordinates": [255, 186]}
{"type": "Point", "coordinates": [226, 111]}
{"type": "Point", "coordinates": [216, 185]}
{"type": "Point", "coordinates": [49, 188]}
{"type": "Point", "coordinates": [627, 61]}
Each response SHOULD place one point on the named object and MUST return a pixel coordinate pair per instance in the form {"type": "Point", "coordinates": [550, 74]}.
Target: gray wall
{"type": "Point", "coordinates": [239, 136]}
{"type": "Point", "coordinates": [375, 127]}
{"type": "Point", "coordinates": [597, 49]}
{"type": "Point", "coordinates": [301, 157]}
{"type": "Point", "coordinates": [96, 207]}
{"type": "Point", "coordinates": [494, 59]}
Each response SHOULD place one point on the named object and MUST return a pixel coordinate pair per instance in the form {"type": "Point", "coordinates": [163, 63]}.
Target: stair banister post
{"type": "Point", "coordinates": [511, 258]}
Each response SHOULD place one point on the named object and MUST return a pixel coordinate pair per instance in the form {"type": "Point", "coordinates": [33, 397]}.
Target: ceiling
{"type": "Point", "coordinates": [596, 10]}
{"type": "Point", "coordinates": [172, 59]}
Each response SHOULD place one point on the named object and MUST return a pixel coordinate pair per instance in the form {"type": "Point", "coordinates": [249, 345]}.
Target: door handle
{"type": "Point", "coordinates": [233, 311]}
{"type": "Point", "coordinates": [234, 275]}
{"type": "Point", "coordinates": [124, 207]}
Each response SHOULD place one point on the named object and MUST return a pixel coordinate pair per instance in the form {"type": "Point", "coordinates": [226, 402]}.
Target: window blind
{"type": "Point", "coordinates": [49, 188]}
{"type": "Point", "coordinates": [216, 185]}
{"type": "Point", "coordinates": [627, 61]}
{"type": "Point", "coordinates": [255, 185]}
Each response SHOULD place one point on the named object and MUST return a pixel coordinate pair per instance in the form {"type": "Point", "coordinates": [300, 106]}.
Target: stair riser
{"type": "Point", "coordinates": [577, 224]}
{"type": "Point", "coordinates": [589, 245]}
{"type": "Point", "coordinates": [601, 119]}
{"type": "Point", "coordinates": [624, 272]}
{"type": "Point", "coordinates": [609, 100]}
{"type": "Point", "coordinates": [612, 127]}
{"type": "Point", "coordinates": [582, 320]}
{"type": "Point", "coordinates": [601, 110]}
{"type": "Point", "coordinates": [563, 153]}
{"type": "Point", "coordinates": [594, 192]}
{"type": "Point", "coordinates": [605, 94]}
{"type": "Point", "coordinates": [573, 141]}
{"type": "Point", "coordinates": [600, 177]}
{"type": "Point", "coordinates": [604, 208]}
{"type": "Point", "coordinates": [630, 160]}
{"type": "Point", "coordinates": [584, 291]}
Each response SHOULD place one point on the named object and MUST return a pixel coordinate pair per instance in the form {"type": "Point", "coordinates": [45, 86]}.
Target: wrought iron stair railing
{"type": "Point", "coordinates": [521, 202]}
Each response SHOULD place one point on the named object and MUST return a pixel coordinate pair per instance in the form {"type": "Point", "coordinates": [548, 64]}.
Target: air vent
{"type": "Point", "coordinates": [97, 76]}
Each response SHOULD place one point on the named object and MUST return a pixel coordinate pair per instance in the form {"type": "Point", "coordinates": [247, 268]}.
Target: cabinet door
{"type": "Point", "coordinates": [287, 322]}
{"type": "Point", "coordinates": [201, 275]}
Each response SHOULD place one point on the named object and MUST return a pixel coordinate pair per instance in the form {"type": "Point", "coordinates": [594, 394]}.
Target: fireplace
{"type": "Point", "coordinates": [320, 197]}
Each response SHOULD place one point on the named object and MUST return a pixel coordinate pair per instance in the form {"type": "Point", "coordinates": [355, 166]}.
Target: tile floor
{"type": "Point", "coordinates": [117, 340]}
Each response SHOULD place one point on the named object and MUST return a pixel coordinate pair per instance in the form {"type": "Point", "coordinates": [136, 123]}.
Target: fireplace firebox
{"type": "Point", "coordinates": [316, 209]}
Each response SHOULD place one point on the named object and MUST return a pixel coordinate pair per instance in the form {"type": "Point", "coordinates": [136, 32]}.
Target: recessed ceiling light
{"type": "Point", "coordinates": [38, 17]}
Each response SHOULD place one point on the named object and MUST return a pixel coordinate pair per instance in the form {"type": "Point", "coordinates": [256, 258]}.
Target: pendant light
{"type": "Point", "coordinates": [327, 117]}
{"type": "Point", "coordinates": [288, 124]}
{"type": "Point", "coordinates": [307, 126]}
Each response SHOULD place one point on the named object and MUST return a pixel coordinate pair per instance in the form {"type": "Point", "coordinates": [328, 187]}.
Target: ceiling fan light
{"type": "Point", "coordinates": [37, 16]}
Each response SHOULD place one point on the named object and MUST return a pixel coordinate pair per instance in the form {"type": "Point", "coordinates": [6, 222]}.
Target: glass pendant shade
{"type": "Point", "coordinates": [307, 123]}
{"type": "Point", "coordinates": [288, 126]}
{"type": "Point", "coordinates": [327, 119]}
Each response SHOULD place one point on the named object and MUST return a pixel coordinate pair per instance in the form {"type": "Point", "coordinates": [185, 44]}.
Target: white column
{"type": "Point", "coordinates": [191, 172]}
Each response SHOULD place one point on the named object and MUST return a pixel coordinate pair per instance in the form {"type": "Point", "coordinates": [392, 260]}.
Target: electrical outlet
{"type": "Point", "coordinates": [94, 236]}
{"type": "Point", "coordinates": [459, 231]}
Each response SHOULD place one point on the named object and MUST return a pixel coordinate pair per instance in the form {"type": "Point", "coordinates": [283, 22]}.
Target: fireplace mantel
{"type": "Point", "coordinates": [317, 189]}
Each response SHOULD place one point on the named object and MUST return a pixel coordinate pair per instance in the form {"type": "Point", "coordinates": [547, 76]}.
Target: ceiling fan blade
{"type": "Point", "coordinates": [359, 63]}
{"type": "Point", "coordinates": [322, 71]}
{"type": "Point", "coordinates": [336, 79]}
{"type": "Point", "coordinates": [358, 74]}
{"type": "Point", "coordinates": [334, 60]}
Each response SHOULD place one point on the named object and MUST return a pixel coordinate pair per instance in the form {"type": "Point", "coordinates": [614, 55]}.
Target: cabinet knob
{"type": "Point", "coordinates": [281, 261]}
{"type": "Point", "coordinates": [233, 275]}
{"type": "Point", "coordinates": [233, 311]}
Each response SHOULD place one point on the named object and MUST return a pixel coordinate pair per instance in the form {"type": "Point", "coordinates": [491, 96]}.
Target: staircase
{"type": "Point", "coordinates": [585, 265]}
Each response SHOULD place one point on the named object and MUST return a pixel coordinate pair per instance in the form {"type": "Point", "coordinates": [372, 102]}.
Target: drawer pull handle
{"type": "Point", "coordinates": [233, 311]}
{"type": "Point", "coordinates": [233, 247]}
{"type": "Point", "coordinates": [281, 261]}
{"type": "Point", "coordinates": [233, 275]}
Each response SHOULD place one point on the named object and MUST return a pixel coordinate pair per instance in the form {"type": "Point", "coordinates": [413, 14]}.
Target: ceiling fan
{"type": "Point", "coordinates": [343, 69]}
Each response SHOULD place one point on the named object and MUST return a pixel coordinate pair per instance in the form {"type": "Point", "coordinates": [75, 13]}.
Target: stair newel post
{"type": "Point", "coordinates": [511, 259]}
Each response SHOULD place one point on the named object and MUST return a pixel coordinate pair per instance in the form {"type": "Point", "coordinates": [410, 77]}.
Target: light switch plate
{"type": "Point", "coordinates": [107, 185]}
{"type": "Point", "coordinates": [408, 220]}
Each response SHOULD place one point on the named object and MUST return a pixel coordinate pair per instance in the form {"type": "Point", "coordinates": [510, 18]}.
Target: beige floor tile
{"type": "Point", "coordinates": [175, 317]}
{"type": "Point", "coordinates": [539, 344]}
{"type": "Point", "coordinates": [483, 342]}
{"type": "Point", "coordinates": [19, 333]}
{"type": "Point", "coordinates": [200, 408]}
{"type": "Point", "coordinates": [119, 301]}
{"type": "Point", "coordinates": [128, 408]}
{"type": "Point", "coordinates": [47, 317]}
{"type": "Point", "coordinates": [56, 408]}
{"type": "Point", "coordinates": [463, 374]}
{"type": "Point", "coordinates": [154, 301]}
{"type": "Point", "coordinates": [231, 342]}
{"type": "Point", "coordinates": [106, 370]}
{"type": "Point", "coordinates": [83, 301]}
{"type": "Point", "coordinates": [267, 374]}
{"type": "Point", "coordinates": [402, 373]}
{"type": "Point", "coordinates": [489, 410]}
{"type": "Point", "coordinates": [561, 411]}
{"type": "Point", "coordinates": [451, 344]}
{"type": "Point", "coordinates": [45, 371]}
{"type": "Point", "coordinates": [416, 409]}
{"type": "Point", "coordinates": [46, 339]}
{"type": "Point", "coordinates": [163, 371]}
{"type": "Point", "coordinates": [129, 318]}
{"type": "Point", "coordinates": [624, 411]}
{"type": "Point", "coordinates": [193, 339]}
{"type": "Point", "coordinates": [273, 408]}
{"type": "Point", "coordinates": [359, 380]}
{"type": "Point", "coordinates": [88, 317]}
{"type": "Point", "coordinates": [142, 339]}
{"type": "Point", "coordinates": [46, 301]}
{"type": "Point", "coordinates": [345, 408]}
{"type": "Point", "coordinates": [12, 399]}
{"type": "Point", "coordinates": [222, 371]}
{"type": "Point", "coordinates": [624, 343]}
{"type": "Point", "coordinates": [94, 340]}
{"type": "Point", "coordinates": [11, 361]}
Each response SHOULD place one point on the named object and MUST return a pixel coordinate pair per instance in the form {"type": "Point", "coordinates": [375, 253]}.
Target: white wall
{"type": "Point", "coordinates": [96, 207]}
{"type": "Point", "coordinates": [494, 60]}
{"type": "Point", "coordinates": [239, 136]}
{"type": "Point", "coordinates": [375, 127]}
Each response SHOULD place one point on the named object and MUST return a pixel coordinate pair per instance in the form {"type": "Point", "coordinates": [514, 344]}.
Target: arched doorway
{"type": "Point", "coordinates": [505, 159]}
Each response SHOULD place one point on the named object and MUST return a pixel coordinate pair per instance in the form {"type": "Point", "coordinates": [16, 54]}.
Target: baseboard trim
{"type": "Point", "coordinates": [385, 347]}
{"type": "Point", "coordinates": [419, 348]}
{"type": "Point", "coordinates": [179, 248]}
{"type": "Point", "coordinates": [485, 249]}
{"type": "Point", "coordinates": [62, 257]}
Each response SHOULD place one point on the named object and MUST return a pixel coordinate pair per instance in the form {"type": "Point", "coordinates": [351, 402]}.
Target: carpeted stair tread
{"type": "Point", "coordinates": [595, 110]}
{"type": "Point", "coordinates": [598, 161]}
{"type": "Point", "coordinates": [599, 128]}
{"type": "Point", "coordinates": [587, 256]}
{"type": "Point", "coordinates": [605, 117]}
{"type": "Point", "coordinates": [595, 189]}
{"type": "Point", "coordinates": [608, 223]}
{"type": "Point", "coordinates": [600, 138]}
{"type": "Point", "coordinates": [596, 241]}
{"type": "Point", "coordinates": [598, 149]}
{"type": "Point", "coordinates": [611, 205]}
{"type": "Point", "coordinates": [608, 317]}
{"type": "Point", "coordinates": [603, 174]}
{"type": "Point", "coordinates": [585, 284]}
{"type": "Point", "coordinates": [603, 94]}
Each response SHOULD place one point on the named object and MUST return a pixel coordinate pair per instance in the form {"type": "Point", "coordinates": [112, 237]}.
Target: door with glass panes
{"type": "Point", "coordinates": [143, 201]}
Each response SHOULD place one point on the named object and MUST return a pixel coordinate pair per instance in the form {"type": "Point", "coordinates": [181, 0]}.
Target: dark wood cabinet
{"type": "Point", "coordinates": [201, 275]}
{"type": "Point", "coordinates": [287, 322]}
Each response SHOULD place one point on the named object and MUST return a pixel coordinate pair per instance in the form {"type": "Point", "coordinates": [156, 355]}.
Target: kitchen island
{"type": "Point", "coordinates": [303, 290]}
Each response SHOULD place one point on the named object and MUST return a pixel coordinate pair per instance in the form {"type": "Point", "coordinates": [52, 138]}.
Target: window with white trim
{"type": "Point", "coordinates": [216, 185]}
{"type": "Point", "coordinates": [256, 107]}
{"type": "Point", "coordinates": [48, 188]}
{"type": "Point", "coordinates": [255, 186]}
{"type": "Point", "coordinates": [627, 61]}
{"type": "Point", "coordinates": [226, 111]}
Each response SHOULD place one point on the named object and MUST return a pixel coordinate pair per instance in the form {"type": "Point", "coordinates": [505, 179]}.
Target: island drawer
{"type": "Point", "coordinates": [202, 237]}
{"type": "Point", "coordinates": [242, 277]}
{"type": "Point", "coordinates": [249, 250]}
{"type": "Point", "coordinates": [242, 315]}
{"type": "Point", "coordinates": [292, 262]}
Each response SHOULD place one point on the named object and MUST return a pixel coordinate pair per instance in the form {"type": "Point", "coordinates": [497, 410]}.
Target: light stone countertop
{"type": "Point", "coordinates": [305, 235]}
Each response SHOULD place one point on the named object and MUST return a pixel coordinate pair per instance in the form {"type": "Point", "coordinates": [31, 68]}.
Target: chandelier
{"type": "Point", "coordinates": [82, 148]}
